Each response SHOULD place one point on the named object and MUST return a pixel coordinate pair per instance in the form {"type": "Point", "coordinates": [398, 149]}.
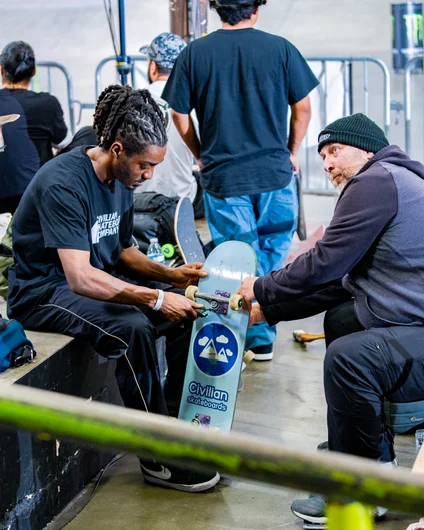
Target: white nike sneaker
{"type": "Point", "coordinates": [178, 478]}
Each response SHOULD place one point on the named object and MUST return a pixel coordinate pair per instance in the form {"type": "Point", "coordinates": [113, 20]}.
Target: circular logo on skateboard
{"type": "Point", "coordinates": [215, 350]}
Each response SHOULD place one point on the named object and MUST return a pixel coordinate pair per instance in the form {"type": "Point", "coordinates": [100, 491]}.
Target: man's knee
{"type": "Point", "coordinates": [138, 324]}
{"type": "Point", "coordinates": [339, 353]}
{"type": "Point", "coordinates": [126, 331]}
{"type": "Point", "coordinates": [344, 360]}
{"type": "Point", "coordinates": [352, 364]}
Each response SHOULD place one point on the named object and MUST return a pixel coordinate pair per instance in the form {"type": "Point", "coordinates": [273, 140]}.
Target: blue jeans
{"type": "Point", "coordinates": [267, 222]}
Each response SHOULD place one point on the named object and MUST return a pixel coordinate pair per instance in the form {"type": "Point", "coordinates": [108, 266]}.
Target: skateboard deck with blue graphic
{"type": "Point", "coordinates": [218, 338]}
{"type": "Point", "coordinates": [185, 232]}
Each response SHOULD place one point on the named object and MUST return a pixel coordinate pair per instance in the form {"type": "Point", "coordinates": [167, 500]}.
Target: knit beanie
{"type": "Point", "coordinates": [356, 130]}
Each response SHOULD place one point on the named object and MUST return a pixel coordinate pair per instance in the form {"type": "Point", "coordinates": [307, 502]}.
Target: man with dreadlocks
{"type": "Point", "coordinates": [241, 82]}
{"type": "Point", "coordinates": [77, 272]}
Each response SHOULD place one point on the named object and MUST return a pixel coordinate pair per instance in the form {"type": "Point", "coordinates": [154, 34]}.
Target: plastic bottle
{"type": "Point", "coordinates": [154, 251]}
{"type": "Point", "coordinates": [419, 438]}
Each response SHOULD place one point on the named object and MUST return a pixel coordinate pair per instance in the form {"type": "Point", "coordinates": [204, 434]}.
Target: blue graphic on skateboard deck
{"type": "Point", "coordinates": [215, 350]}
{"type": "Point", "coordinates": [217, 341]}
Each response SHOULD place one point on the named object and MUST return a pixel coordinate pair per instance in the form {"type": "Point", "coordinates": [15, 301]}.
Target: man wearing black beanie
{"type": "Point", "coordinates": [367, 273]}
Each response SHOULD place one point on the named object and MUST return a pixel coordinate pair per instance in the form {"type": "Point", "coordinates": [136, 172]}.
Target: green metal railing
{"type": "Point", "coordinates": [342, 478]}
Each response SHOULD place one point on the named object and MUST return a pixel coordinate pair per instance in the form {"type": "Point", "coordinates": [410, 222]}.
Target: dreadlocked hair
{"type": "Point", "coordinates": [131, 116]}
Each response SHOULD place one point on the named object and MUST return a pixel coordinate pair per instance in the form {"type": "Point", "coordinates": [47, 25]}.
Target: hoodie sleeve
{"type": "Point", "coordinates": [366, 206]}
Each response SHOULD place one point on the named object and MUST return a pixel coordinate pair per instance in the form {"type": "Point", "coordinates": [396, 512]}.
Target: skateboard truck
{"type": "Point", "coordinates": [218, 302]}
{"type": "Point", "coordinates": [202, 420]}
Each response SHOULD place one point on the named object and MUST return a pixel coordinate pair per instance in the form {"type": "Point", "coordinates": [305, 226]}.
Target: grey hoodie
{"type": "Point", "coordinates": [374, 244]}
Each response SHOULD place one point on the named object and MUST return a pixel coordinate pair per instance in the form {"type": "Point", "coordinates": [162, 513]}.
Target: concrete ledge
{"type": "Point", "coordinates": [45, 344]}
{"type": "Point", "coordinates": [40, 476]}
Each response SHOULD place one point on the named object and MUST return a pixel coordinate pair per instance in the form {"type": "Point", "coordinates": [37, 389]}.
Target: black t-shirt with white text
{"type": "Point", "coordinates": [65, 206]}
{"type": "Point", "coordinates": [241, 82]}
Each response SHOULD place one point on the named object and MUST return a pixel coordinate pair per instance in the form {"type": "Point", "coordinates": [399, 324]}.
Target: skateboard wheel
{"type": "Point", "coordinates": [214, 429]}
{"type": "Point", "coordinates": [168, 250]}
{"type": "Point", "coordinates": [191, 292]}
{"type": "Point", "coordinates": [236, 302]}
{"type": "Point", "coordinates": [248, 357]}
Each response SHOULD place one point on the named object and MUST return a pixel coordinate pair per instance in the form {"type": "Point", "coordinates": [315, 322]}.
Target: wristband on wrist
{"type": "Point", "coordinates": [159, 301]}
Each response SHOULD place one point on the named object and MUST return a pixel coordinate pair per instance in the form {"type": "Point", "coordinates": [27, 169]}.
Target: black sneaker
{"type": "Point", "coordinates": [263, 353]}
{"type": "Point", "coordinates": [311, 510]}
{"type": "Point", "coordinates": [178, 478]}
{"type": "Point", "coordinates": [323, 446]}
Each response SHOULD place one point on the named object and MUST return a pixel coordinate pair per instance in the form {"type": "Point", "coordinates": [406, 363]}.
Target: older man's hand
{"type": "Point", "coordinates": [246, 288]}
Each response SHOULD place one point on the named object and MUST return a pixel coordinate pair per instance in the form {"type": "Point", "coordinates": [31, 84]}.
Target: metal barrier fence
{"type": "Point", "coordinates": [51, 65]}
{"type": "Point", "coordinates": [314, 179]}
{"type": "Point", "coordinates": [407, 101]}
{"type": "Point", "coordinates": [133, 72]}
{"type": "Point", "coordinates": [348, 99]}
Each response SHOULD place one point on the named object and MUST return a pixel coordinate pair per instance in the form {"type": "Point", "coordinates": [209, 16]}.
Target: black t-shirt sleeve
{"type": "Point", "coordinates": [177, 90]}
{"type": "Point", "coordinates": [363, 211]}
{"type": "Point", "coordinates": [58, 129]}
{"type": "Point", "coordinates": [300, 77]}
{"type": "Point", "coordinates": [63, 219]}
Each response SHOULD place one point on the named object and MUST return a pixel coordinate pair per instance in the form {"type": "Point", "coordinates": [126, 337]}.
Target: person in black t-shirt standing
{"type": "Point", "coordinates": [77, 272]}
{"type": "Point", "coordinates": [40, 127]}
{"type": "Point", "coordinates": [241, 82]}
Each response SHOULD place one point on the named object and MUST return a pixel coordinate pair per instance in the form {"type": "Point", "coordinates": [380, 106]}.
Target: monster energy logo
{"type": "Point", "coordinates": [414, 28]}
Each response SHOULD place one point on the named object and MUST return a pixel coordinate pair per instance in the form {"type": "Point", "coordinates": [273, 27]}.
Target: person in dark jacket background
{"type": "Point", "coordinates": [367, 273]}
{"type": "Point", "coordinates": [40, 127]}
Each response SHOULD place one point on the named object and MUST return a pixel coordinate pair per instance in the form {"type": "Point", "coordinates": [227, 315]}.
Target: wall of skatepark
{"type": "Point", "coordinates": [75, 33]}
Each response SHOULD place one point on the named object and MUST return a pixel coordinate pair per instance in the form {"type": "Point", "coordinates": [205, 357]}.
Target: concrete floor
{"type": "Point", "coordinates": [282, 401]}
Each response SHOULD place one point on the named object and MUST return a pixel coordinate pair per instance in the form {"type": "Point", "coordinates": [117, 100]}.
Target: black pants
{"type": "Point", "coordinates": [128, 334]}
{"type": "Point", "coordinates": [362, 368]}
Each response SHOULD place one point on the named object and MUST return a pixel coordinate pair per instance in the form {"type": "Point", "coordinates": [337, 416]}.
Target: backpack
{"type": "Point", "coordinates": [6, 259]}
{"type": "Point", "coordinates": [404, 417]}
{"type": "Point", "coordinates": [154, 217]}
{"type": "Point", "coordinates": [15, 348]}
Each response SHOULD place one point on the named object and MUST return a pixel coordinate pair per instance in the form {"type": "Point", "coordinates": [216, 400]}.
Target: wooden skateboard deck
{"type": "Point", "coordinates": [185, 232]}
{"type": "Point", "coordinates": [218, 339]}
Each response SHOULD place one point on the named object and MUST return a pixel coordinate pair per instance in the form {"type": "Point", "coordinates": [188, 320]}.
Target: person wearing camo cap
{"type": "Point", "coordinates": [174, 177]}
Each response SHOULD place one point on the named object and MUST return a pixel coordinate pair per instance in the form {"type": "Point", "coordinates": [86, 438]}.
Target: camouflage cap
{"type": "Point", "coordinates": [164, 49]}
